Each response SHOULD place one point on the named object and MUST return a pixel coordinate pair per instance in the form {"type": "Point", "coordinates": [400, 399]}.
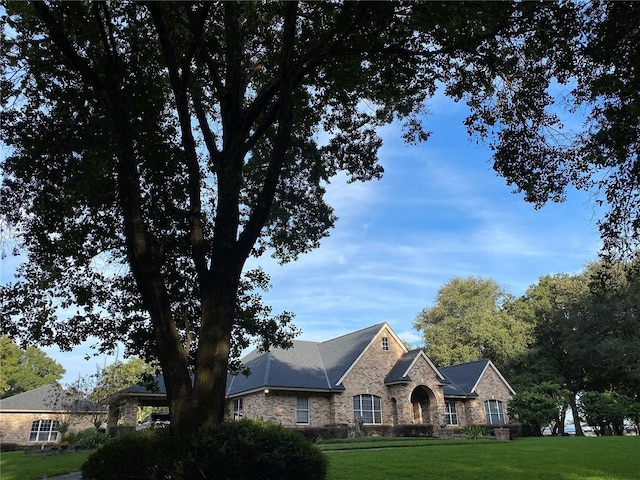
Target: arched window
{"type": "Point", "coordinates": [44, 431]}
{"type": "Point", "coordinates": [367, 408]}
{"type": "Point", "coordinates": [494, 411]}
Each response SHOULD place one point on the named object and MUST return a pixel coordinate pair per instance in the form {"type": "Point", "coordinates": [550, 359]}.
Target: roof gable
{"type": "Point", "coordinates": [400, 372]}
{"type": "Point", "coordinates": [465, 377]}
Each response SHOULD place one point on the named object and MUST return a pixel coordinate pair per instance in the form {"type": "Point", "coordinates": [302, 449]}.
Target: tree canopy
{"type": "Point", "coordinates": [23, 370]}
{"type": "Point", "coordinates": [470, 321]}
{"type": "Point", "coordinates": [156, 146]}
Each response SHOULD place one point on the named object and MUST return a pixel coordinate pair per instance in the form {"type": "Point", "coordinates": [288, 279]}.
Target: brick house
{"type": "Point", "coordinates": [367, 377]}
{"type": "Point", "coordinates": [39, 416]}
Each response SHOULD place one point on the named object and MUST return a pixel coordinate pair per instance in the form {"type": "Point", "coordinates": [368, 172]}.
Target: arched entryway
{"type": "Point", "coordinates": [421, 400]}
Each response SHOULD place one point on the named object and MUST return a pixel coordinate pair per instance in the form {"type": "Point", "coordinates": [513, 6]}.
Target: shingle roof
{"type": "Point", "coordinates": [48, 398]}
{"type": "Point", "coordinates": [463, 377]}
{"type": "Point", "coordinates": [306, 365]}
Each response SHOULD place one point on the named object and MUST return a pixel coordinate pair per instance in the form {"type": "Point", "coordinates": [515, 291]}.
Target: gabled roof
{"type": "Point", "coordinates": [464, 378]}
{"type": "Point", "coordinates": [317, 366]}
{"type": "Point", "coordinates": [400, 372]}
{"type": "Point", "coordinates": [48, 398]}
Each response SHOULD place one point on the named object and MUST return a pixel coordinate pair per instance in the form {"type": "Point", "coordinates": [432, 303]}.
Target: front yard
{"type": "Point", "coordinates": [557, 458]}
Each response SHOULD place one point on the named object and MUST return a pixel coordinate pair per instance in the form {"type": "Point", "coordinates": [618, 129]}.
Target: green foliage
{"type": "Point", "coordinates": [24, 370]}
{"type": "Point", "coordinates": [474, 432]}
{"type": "Point", "coordinates": [607, 411]}
{"type": "Point", "coordinates": [150, 454]}
{"type": "Point", "coordinates": [230, 450]}
{"type": "Point", "coordinates": [538, 407]}
{"type": "Point", "coordinates": [88, 439]}
{"type": "Point", "coordinates": [470, 321]}
{"type": "Point", "coordinates": [258, 450]}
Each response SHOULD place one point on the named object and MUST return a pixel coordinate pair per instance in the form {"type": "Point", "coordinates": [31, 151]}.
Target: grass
{"type": "Point", "coordinates": [557, 458]}
{"type": "Point", "coordinates": [547, 458]}
{"type": "Point", "coordinates": [18, 466]}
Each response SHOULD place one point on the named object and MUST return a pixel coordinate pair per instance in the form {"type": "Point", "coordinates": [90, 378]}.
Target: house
{"type": "Point", "coordinates": [367, 377]}
{"type": "Point", "coordinates": [41, 415]}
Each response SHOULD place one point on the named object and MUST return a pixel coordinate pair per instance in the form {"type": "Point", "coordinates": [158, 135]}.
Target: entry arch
{"type": "Point", "coordinates": [423, 404]}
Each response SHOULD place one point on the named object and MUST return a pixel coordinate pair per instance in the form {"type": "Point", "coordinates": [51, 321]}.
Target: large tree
{"type": "Point", "coordinates": [470, 321]}
{"type": "Point", "coordinates": [601, 155]}
{"type": "Point", "coordinates": [156, 146]}
{"type": "Point", "coordinates": [23, 370]}
{"type": "Point", "coordinates": [587, 332]}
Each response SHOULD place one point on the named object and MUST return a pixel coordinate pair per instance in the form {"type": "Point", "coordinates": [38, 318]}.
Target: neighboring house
{"type": "Point", "coordinates": [39, 416]}
{"type": "Point", "coordinates": [366, 377]}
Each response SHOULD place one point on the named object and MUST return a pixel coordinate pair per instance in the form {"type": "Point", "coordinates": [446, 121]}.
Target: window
{"type": "Point", "coordinates": [302, 410]}
{"type": "Point", "coordinates": [237, 408]}
{"type": "Point", "coordinates": [367, 408]}
{"type": "Point", "coordinates": [385, 344]}
{"type": "Point", "coordinates": [44, 431]}
{"type": "Point", "coordinates": [450, 413]}
{"type": "Point", "coordinates": [494, 411]}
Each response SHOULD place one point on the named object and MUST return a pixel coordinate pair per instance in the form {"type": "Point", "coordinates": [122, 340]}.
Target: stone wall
{"type": "Point", "coordinates": [490, 387]}
{"type": "Point", "coordinates": [16, 427]}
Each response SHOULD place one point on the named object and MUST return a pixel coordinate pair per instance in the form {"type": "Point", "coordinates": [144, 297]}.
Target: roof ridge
{"type": "Point", "coordinates": [379, 325]}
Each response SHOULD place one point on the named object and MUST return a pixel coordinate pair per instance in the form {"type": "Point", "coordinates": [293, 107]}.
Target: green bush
{"type": "Point", "coordinates": [476, 431]}
{"type": "Point", "coordinates": [256, 450]}
{"type": "Point", "coordinates": [151, 454]}
{"type": "Point", "coordinates": [229, 451]}
{"type": "Point", "coordinates": [88, 439]}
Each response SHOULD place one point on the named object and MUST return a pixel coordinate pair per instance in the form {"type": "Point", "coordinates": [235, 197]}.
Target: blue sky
{"type": "Point", "coordinates": [439, 212]}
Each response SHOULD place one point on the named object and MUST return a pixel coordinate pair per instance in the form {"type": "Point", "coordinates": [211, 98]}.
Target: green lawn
{"type": "Point", "coordinates": [561, 458]}
{"type": "Point", "coordinates": [18, 466]}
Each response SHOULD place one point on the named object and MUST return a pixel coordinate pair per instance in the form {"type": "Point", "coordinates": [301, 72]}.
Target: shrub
{"type": "Point", "coordinates": [327, 432]}
{"type": "Point", "coordinates": [256, 450]}
{"type": "Point", "coordinates": [476, 431]}
{"type": "Point", "coordinates": [151, 454]}
{"type": "Point", "coordinates": [229, 451]}
{"type": "Point", "coordinates": [87, 439]}
{"type": "Point", "coordinates": [410, 430]}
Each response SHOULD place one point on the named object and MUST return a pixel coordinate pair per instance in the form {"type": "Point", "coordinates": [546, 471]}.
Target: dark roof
{"type": "Point", "coordinates": [463, 377]}
{"type": "Point", "coordinates": [306, 365]}
{"type": "Point", "coordinates": [400, 368]}
{"type": "Point", "coordinates": [49, 398]}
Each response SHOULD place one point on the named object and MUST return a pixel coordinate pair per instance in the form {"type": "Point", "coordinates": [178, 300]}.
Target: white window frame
{"type": "Point", "coordinates": [494, 410]}
{"type": "Point", "coordinates": [385, 344]}
{"type": "Point", "coordinates": [44, 431]}
{"type": "Point", "coordinates": [450, 413]}
{"type": "Point", "coordinates": [368, 409]}
{"type": "Point", "coordinates": [237, 408]}
{"type": "Point", "coordinates": [302, 410]}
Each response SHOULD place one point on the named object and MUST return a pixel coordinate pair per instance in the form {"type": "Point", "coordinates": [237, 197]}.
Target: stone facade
{"type": "Point", "coordinates": [15, 427]}
{"type": "Point", "coordinates": [418, 400]}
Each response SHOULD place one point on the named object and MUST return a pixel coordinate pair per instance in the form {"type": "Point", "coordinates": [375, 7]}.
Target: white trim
{"type": "Point", "coordinates": [489, 362]}
{"type": "Point", "coordinates": [365, 349]}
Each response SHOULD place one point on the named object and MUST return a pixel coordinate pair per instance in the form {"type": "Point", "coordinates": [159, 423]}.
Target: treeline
{"type": "Point", "coordinates": [569, 341]}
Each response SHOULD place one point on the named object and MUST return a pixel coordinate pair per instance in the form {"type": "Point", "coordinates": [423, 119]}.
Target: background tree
{"type": "Point", "coordinates": [607, 411]}
{"type": "Point", "coordinates": [471, 321]}
{"type": "Point", "coordinates": [156, 146]}
{"type": "Point", "coordinates": [539, 407]}
{"type": "Point", "coordinates": [24, 370]}
{"type": "Point", "coordinates": [586, 329]}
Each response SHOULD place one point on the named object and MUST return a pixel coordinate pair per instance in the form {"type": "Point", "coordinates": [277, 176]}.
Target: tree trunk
{"type": "Point", "coordinates": [576, 415]}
